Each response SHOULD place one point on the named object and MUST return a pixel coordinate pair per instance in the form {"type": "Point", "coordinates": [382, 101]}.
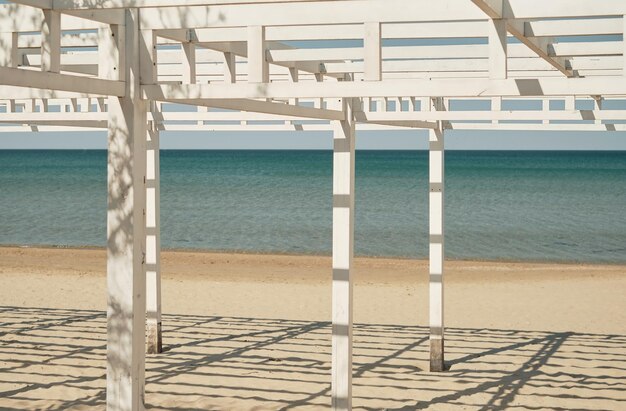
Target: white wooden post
{"type": "Point", "coordinates": [343, 250]}
{"type": "Point", "coordinates": [148, 64]}
{"type": "Point", "coordinates": [597, 105]}
{"type": "Point", "coordinates": [8, 49]}
{"type": "Point", "coordinates": [258, 67]}
{"type": "Point", "coordinates": [373, 52]}
{"type": "Point", "coordinates": [111, 55]}
{"type": "Point", "coordinates": [624, 45]}
{"type": "Point", "coordinates": [294, 74]}
{"type": "Point", "coordinates": [154, 343]}
{"type": "Point", "coordinates": [126, 283]}
{"type": "Point", "coordinates": [436, 257]}
{"type": "Point", "coordinates": [497, 49]}
{"type": "Point", "coordinates": [51, 41]}
{"type": "Point", "coordinates": [545, 107]}
{"type": "Point", "coordinates": [496, 105]}
{"type": "Point", "coordinates": [230, 68]}
{"type": "Point", "coordinates": [189, 63]}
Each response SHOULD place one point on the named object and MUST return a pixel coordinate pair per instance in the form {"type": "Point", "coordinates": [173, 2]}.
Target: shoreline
{"type": "Point", "coordinates": [579, 297]}
{"type": "Point", "coordinates": [288, 254]}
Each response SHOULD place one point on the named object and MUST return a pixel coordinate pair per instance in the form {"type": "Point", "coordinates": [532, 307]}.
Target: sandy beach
{"type": "Point", "coordinates": [245, 331]}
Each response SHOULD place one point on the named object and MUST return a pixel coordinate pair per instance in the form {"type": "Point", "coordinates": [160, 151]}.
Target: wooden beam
{"type": "Point", "coordinates": [8, 49]}
{"type": "Point", "coordinates": [27, 93]}
{"type": "Point", "coordinates": [422, 30]}
{"type": "Point", "coordinates": [266, 107]}
{"type": "Point", "coordinates": [148, 58]}
{"type": "Point", "coordinates": [258, 67]}
{"type": "Point", "coordinates": [126, 277]}
{"type": "Point", "coordinates": [417, 87]}
{"type": "Point", "coordinates": [305, 13]}
{"type": "Point", "coordinates": [624, 44]}
{"type": "Point", "coordinates": [497, 48]}
{"type": "Point", "coordinates": [118, 4]}
{"type": "Point", "coordinates": [573, 27]}
{"type": "Point", "coordinates": [342, 259]}
{"type": "Point", "coordinates": [154, 343]}
{"type": "Point", "coordinates": [41, 4]}
{"type": "Point", "coordinates": [111, 56]}
{"type": "Point", "coordinates": [372, 46]}
{"type": "Point", "coordinates": [493, 114]}
{"type": "Point", "coordinates": [230, 67]}
{"type": "Point", "coordinates": [60, 82]}
{"type": "Point", "coordinates": [436, 248]}
{"type": "Point", "coordinates": [51, 41]}
{"type": "Point", "coordinates": [189, 62]}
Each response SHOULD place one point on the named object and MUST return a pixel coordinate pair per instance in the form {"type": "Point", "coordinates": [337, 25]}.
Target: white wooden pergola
{"type": "Point", "coordinates": [249, 65]}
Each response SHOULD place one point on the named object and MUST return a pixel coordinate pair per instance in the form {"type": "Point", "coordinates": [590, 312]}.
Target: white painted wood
{"type": "Point", "coordinates": [497, 48]}
{"type": "Point", "coordinates": [44, 4]}
{"type": "Point", "coordinates": [58, 82]}
{"type": "Point", "coordinates": [597, 104]}
{"type": "Point", "coordinates": [496, 105]}
{"type": "Point", "coordinates": [258, 67]}
{"type": "Point", "coordinates": [495, 10]}
{"type": "Point", "coordinates": [436, 248]}
{"type": "Point", "coordinates": [540, 127]}
{"type": "Point", "coordinates": [189, 62]}
{"type": "Point", "coordinates": [8, 49]}
{"type": "Point", "coordinates": [485, 115]}
{"type": "Point", "coordinates": [624, 44]}
{"type": "Point", "coordinates": [256, 30]}
{"type": "Point", "coordinates": [577, 27]}
{"type": "Point", "coordinates": [304, 13]}
{"type": "Point", "coordinates": [230, 67]}
{"type": "Point", "coordinates": [82, 126]}
{"type": "Point", "coordinates": [202, 111]}
{"type": "Point", "coordinates": [154, 342]}
{"type": "Point", "coordinates": [110, 4]}
{"type": "Point", "coordinates": [126, 281]}
{"type": "Point", "coordinates": [417, 87]}
{"type": "Point", "coordinates": [372, 45]}
{"type": "Point", "coordinates": [593, 64]}
{"type": "Point", "coordinates": [51, 41]}
{"type": "Point", "coordinates": [294, 74]}
{"type": "Point", "coordinates": [148, 58]}
{"type": "Point", "coordinates": [342, 260]}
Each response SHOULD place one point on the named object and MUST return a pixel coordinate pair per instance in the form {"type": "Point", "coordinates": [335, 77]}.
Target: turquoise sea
{"type": "Point", "coordinates": [500, 205]}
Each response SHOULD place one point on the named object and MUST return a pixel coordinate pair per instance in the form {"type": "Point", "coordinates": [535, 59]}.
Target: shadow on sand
{"type": "Point", "coordinates": [55, 359]}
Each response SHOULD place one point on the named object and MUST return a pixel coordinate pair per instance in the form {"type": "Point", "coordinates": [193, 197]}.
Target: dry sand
{"type": "Point", "coordinates": [247, 332]}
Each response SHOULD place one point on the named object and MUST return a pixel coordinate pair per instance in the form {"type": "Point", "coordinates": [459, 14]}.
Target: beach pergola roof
{"type": "Point", "coordinates": [341, 66]}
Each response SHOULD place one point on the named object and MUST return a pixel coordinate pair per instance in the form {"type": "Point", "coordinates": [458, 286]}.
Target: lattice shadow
{"type": "Point", "coordinates": [55, 359]}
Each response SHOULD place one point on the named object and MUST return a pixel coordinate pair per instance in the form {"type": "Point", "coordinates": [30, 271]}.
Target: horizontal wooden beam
{"type": "Point", "coordinates": [391, 88]}
{"type": "Point", "coordinates": [18, 18]}
{"type": "Point", "coordinates": [305, 13]}
{"type": "Point", "coordinates": [484, 115]}
{"type": "Point", "coordinates": [264, 107]}
{"type": "Point", "coordinates": [117, 4]}
{"type": "Point", "coordinates": [536, 127]}
{"type": "Point", "coordinates": [420, 119]}
{"type": "Point", "coordinates": [60, 82]}
{"type": "Point", "coordinates": [29, 93]}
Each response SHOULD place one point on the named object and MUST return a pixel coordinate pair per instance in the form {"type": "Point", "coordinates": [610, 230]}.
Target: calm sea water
{"type": "Point", "coordinates": [556, 206]}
